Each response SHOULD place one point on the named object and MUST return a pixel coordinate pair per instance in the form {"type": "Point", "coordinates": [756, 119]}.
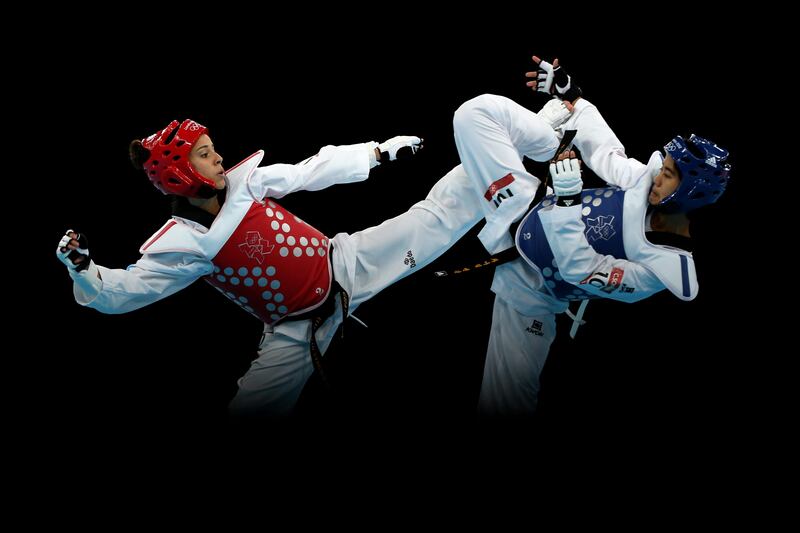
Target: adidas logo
{"type": "Point", "coordinates": [409, 260]}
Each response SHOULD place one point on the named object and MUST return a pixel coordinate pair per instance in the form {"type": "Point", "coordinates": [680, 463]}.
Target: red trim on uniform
{"type": "Point", "coordinates": [240, 163]}
{"type": "Point", "coordinates": [497, 185]}
{"type": "Point", "coordinates": [160, 233]}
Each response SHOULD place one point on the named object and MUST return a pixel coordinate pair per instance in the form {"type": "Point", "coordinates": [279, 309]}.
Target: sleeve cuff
{"type": "Point", "coordinates": [373, 161]}
{"type": "Point", "coordinates": [87, 284]}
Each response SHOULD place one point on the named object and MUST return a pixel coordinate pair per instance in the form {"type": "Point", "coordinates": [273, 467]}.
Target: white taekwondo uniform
{"type": "Point", "coordinates": [595, 249]}
{"type": "Point", "coordinates": [274, 265]}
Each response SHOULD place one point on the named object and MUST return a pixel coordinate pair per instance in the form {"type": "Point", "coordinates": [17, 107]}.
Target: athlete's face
{"type": "Point", "coordinates": [207, 162]}
{"type": "Point", "coordinates": [666, 182]}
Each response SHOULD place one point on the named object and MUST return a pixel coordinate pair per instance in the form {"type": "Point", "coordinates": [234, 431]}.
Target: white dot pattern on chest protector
{"type": "Point", "coordinates": [241, 301]}
{"type": "Point", "coordinates": [254, 245]}
{"type": "Point", "coordinates": [596, 203]}
{"type": "Point", "coordinates": [552, 275]}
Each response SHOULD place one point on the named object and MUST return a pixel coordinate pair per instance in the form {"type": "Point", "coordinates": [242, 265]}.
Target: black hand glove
{"type": "Point", "coordinates": [77, 259]}
{"type": "Point", "coordinates": [563, 86]}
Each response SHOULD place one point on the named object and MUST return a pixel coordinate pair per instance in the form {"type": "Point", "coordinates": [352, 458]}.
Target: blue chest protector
{"type": "Point", "coordinates": [602, 215]}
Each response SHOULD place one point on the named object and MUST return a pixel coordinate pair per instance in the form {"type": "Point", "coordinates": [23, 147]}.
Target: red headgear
{"type": "Point", "coordinates": [168, 166]}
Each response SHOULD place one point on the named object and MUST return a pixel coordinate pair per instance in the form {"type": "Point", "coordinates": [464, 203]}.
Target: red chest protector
{"type": "Point", "coordinates": [274, 264]}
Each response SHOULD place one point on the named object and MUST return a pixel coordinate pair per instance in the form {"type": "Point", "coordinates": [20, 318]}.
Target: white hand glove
{"type": "Point", "coordinates": [72, 257]}
{"type": "Point", "coordinates": [555, 113]}
{"type": "Point", "coordinates": [551, 79]}
{"type": "Point", "coordinates": [545, 77]}
{"type": "Point", "coordinates": [401, 146]}
{"type": "Point", "coordinates": [566, 176]}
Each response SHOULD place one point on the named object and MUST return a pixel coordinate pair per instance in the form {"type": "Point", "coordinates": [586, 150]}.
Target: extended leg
{"type": "Point", "coordinates": [368, 261]}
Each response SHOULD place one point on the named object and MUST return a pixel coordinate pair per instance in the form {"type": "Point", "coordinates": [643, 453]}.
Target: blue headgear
{"type": "Point", "coordinates": [704, 173]}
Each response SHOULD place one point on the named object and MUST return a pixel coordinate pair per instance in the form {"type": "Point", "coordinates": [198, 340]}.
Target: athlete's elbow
{"type": "Point", "coordinates": [574, 277]}
{"type": "Point", "coordinates": [574, 273]}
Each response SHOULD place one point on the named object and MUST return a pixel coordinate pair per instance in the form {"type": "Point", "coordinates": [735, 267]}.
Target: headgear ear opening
{"type": "Point", "coordinates": [704, 173]}
{"type": "Point", "coordinates": [168, 166]}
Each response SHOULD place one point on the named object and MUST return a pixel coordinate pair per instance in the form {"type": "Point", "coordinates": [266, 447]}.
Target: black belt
{"type": "Point", "coordinates": [320, 314]}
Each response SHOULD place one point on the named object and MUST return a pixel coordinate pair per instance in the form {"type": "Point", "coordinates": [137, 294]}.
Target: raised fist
{"type": "Point", "coordinates": [73, 250]}
{"type": "Point", "coordinates": [566, 174]}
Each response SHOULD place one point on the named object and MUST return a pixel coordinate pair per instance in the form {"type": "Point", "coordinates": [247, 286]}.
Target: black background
{"type": "Point", "coordinates": [170, 369]}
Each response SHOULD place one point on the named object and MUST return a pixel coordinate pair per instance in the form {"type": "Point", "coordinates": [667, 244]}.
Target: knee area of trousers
{"type": "Point", "coordinates": [469, 110]}
{"type": "Point", "coordinates": [430, 213]}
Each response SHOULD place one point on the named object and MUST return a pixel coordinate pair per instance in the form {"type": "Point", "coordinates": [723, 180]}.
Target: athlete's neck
{"type": "Point", "coordinates": [677, 223]}
{"type": "Point", "coordinates": [210, 205]}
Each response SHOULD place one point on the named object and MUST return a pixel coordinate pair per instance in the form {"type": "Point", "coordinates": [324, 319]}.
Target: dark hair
{"type": "Point", "coordinates": [138, 154]}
